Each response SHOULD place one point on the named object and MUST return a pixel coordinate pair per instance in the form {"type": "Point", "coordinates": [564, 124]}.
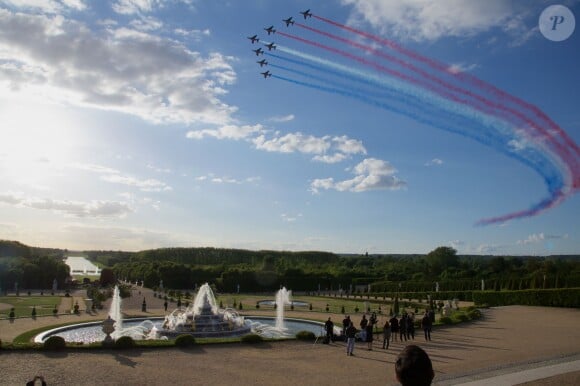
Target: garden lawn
{"type": "Point", "coordinates": [23, 305]}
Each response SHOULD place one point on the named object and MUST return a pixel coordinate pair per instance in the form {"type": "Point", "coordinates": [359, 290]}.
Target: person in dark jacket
{"type": "Point", "coordinates": [427, 325]}
{"type": "Point", "coordinates": [350, 338]}
{"type": "Point", "coordinates": [394, 322]}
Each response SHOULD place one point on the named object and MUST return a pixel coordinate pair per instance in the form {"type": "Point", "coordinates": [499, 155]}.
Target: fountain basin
{"type": "Point", "coordinates": [92, 331]}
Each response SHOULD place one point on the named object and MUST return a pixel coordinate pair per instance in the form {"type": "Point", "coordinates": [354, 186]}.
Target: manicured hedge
{"type": "Point", "coordinates": [305, 335]}
{"type": "Point", "coordinates": [184, 340]}
{"type": "Point", "coordinates": [566, 297]}
{"type": "Point", "coordinates": [252, 338]}
{"type": "Point", "coordinates": [124, 342]}
{"type": "Point", "coordinates": [54, 343]}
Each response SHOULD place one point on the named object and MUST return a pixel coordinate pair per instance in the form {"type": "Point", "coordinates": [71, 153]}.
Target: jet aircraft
{"type": "Point", "coordinates": [270, 46]}
{"type": "Point", "coordinates": [306, 14]}
{"type": "Point", "coordinates": [262, 62]}
{"type": "Point", "coordinates": [254, 38]}
{"type": "Point", "coordinates": [270, 30]}
{"type": "Point", "coordinates": [288, 21]}
{"type": "Point", "coordinates": [259, 51]}
{"type": "Point", "coordinates": [266, 74]}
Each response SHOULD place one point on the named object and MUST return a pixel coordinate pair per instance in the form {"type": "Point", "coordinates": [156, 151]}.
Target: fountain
{"type": "Point", "coordinates": [283, 297]}
{"type": "Point", "coordinates": [204, 319]}
{"type": "Point", "coordinates": [201, 319]}
{"type": "Point", "coordinates": [115, 313]}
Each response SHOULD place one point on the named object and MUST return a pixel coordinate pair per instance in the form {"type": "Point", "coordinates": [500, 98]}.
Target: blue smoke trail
{"type": "Point", "coordinates": [528, 156]}
{"type": "Point", "coordinates": [534, 159]}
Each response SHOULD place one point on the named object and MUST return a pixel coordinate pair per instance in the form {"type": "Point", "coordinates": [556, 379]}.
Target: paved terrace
{"type": "Point", "coordinates": [511, 345]}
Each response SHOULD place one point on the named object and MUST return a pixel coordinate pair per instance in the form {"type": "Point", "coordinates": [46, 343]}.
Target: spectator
{"type": "Point", "coordinates": [413, 367]}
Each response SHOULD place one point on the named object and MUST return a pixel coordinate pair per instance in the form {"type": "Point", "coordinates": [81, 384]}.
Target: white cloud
{"type": "Point", "coordinates": [456, 68]}
{"type": "Point", "coordinates": [289, 218]}
{"type": "Point", "coordinates": [195, 34]}
{"type": "Point", "coordinates": [159, 170]}
{"type": "Point", "coordinates": [370, 174]}
{"type": "Point", "coordinates": [309, 144]}
{"type": "Point", "coordinates": [47, 6]}
{"type": "Point", "coordinates": [285, 118]}
{"type": "Point", "coordinates": [434, 19]}
{"type": "Point", "coordinates": [330, 159]}
{"type": "Point", "coordinates": [535, 238]}
{"type": "Point", "coordinates": [146, 23]}
{"type": "Point", "coordinates": [84, 237]}
{"type": "Point", "coordinates": [232, 132]}
{"type": "Point", "coordinates": [146, 185]}
{"type": "Point", "coordinates": [293, 142]}
{"type": "Point", "coordinates": [129, 7]}
{"type": "Point", "coordinates": [116, 177]}
{"type": "Point", "coordinates": [122, 69]}
{"type": "Point", "coordinates": [94, 208]}
{"type": "Point", "coordinates": [434, 162]}
{"type": "Point", "coordinates": [227, 180]}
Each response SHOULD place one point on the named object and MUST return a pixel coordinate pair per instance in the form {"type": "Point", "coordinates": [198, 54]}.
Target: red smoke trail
{"type": "Point", "coordinates": [569, 152]}
{"type": "Point", "coordinates": [487, 109]}
{"type": "Point", "coordinates": [521, 118]}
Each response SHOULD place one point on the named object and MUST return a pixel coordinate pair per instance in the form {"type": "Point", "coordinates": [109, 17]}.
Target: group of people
{"type": "Point", "coordinates": [404, 327]}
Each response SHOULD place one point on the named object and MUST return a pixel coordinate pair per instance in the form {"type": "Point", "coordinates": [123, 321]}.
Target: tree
{"type": "Point", "coordinates": [440, 259]}
{"type": "Point", "coordinates": [107, 277]}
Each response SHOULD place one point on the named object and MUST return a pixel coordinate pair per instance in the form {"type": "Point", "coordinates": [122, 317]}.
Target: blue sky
{"type": "Point", "coordinates": [136, 124]}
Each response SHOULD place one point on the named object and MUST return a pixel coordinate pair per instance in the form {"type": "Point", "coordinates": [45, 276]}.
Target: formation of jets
{"type": "Point", "coordinates": [271, 46]}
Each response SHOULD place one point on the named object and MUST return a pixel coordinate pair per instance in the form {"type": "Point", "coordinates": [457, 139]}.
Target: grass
{"type": "Point", "coordinates": [23, 305]}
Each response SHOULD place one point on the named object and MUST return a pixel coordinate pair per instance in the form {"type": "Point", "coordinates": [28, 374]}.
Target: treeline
{"type": "Point", "coordinates": [257, 271]}
{"type": "Point", "coordinates": [30, 267]}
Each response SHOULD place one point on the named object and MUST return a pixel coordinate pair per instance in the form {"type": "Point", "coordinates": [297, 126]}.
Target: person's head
{"type": "Point", "coordinates": [413, 367]}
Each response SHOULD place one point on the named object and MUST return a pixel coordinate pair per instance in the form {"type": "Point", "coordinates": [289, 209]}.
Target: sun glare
{"type": "Point", "coordinates": [37, 140]}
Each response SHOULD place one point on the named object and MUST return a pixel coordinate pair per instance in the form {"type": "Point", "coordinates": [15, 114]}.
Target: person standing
{"type": "Point", "coordinates": [394, 322]}
{"type": "Point", "coordinates": [411, 326]}
{"type": "Point", "coordinates": [350, 338]}
{"type": "Point", "coordinates": [426, 325]}
{"type": "Point", "coordinates": [345, 324]}
{"type": "Point", "coordinates": [369, 334]}
{"type": "Point", "coordinates": [403, 327]}
{"type": "Point", "coordinates": [386, 335]}
{"type": "Point", "coordinates": [363, 327]}
{"type": "Point", "coordinates": [329, 327]}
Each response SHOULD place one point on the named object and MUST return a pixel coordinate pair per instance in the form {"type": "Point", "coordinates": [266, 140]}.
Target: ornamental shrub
{"type": "Point", "coordinates": [305, 335]}
{"type": "Point", "coordinates": [124, 342]}
{"type": "Point", "coordinates": [252, 338]}
{"type": "Point", "coordinates": [184, 340]}
{"type": "Point", "coordinates": [462, 317]}
{"type": "Point", "coordinates": [446, 320]}
{"type": "Point", "coordinates": [474, 314]}
{"type": "Point", "coordinates": [54, 343]}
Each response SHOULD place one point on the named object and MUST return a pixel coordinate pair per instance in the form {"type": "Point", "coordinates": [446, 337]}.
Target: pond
{"type": "Point", "coordinates": [265, 326]}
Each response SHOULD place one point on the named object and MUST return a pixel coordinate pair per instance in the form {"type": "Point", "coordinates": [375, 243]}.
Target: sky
{"type": "Point", "coordinates": [384, 126]}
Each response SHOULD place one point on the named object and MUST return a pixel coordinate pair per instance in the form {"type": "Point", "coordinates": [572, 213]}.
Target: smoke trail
{"type": "Point", "coordinates": [429, 92]}
{"type": "Point", "coordinates": [533, 159]}
{"type": "Point", "coordinates": [567, 150]}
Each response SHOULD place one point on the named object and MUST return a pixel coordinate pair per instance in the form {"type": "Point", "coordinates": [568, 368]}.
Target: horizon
{"type": "Point", "coordinates": [134, 125]}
